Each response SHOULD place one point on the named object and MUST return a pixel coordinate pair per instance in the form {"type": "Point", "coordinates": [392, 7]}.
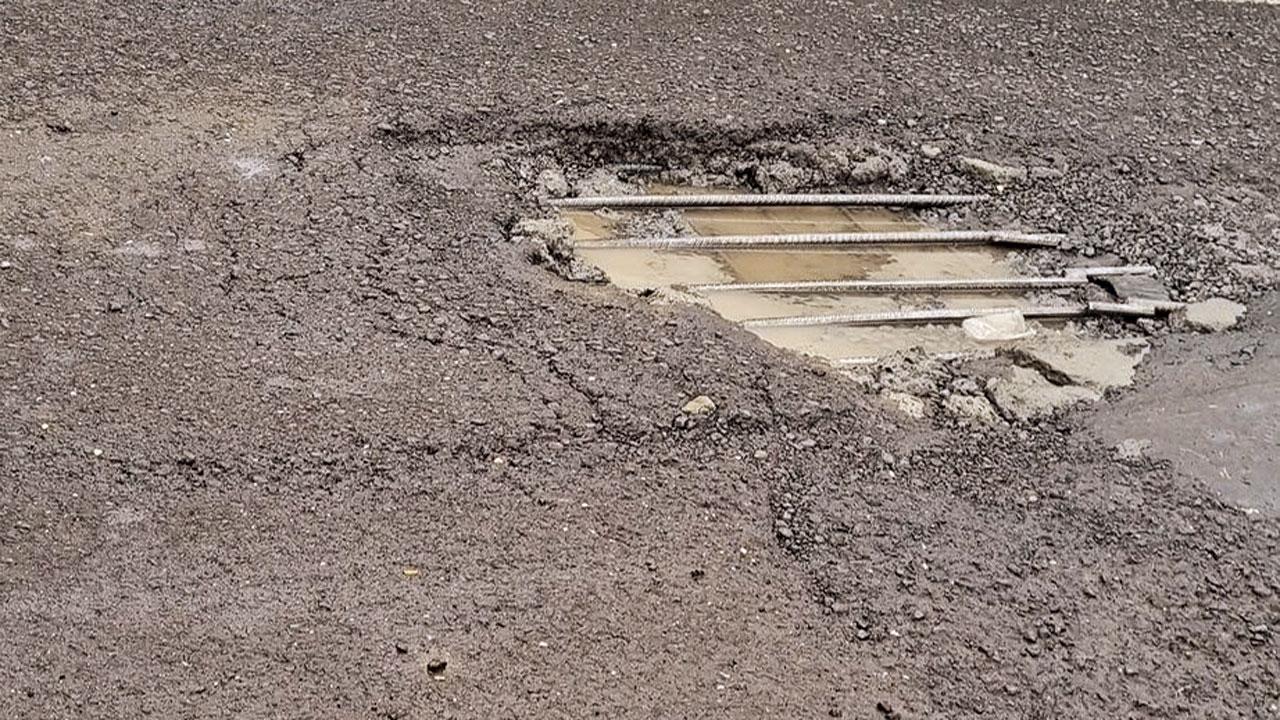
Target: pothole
{"type": "Point", "coordinates": [854, 282]}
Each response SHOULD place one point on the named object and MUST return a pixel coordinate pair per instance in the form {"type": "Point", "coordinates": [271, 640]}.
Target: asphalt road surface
{"type": "Point", "coordinates": [288, 428]}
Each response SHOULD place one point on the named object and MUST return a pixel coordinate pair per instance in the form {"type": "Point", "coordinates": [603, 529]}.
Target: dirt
{"type": "Point", "coordinates": [291, 428]}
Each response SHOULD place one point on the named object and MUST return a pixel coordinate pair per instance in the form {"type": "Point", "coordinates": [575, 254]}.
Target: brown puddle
{"type": "Point", "coordinates": [674, 272]}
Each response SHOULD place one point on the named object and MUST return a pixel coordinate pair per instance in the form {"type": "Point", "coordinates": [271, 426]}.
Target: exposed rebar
{"type": "Point", "coordinates": [896, 317]}
{"type": "Point", "coordinates": [1111, 270]}
{"type": "Point", "coordinates": [927, 237]}
{"type": "Point", "coordinates": [899, 286]}
{"type": "Point", "coordinates": [727, 200]}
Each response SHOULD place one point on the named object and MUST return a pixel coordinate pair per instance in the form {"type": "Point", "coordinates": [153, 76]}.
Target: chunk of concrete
{"type": "Point", "coordinates": [1214, 314]}
{"type": "Point", "coordinates": [908, 404]}
{"type": "Point", "coordinates": [995, 173]}
{"type": "Point", "coordinates": [1099, 364]}
{"type": "Point", "coordinates": [973, 408]}
{"type": "Point", "coordinates": [1025, 394]}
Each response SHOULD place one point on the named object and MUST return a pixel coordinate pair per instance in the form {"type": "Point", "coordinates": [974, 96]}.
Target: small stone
{"type": "Point", "coordinates": [5, 264]}
{"type": "Point", "coordinates": [808, 443]}
{"type": "Point", "coordinates": [701, 405]}
{"type": "Point", "coordinates": [864, 634]}
{"type": "Point", "coordinates": [1214, 314]}
{"type": "Point", "coordinates": [931, 152]}
{"type": "Point", "coordinates": [436, 665]}
{"type": "Point", "coordinates": [760, 454]}
{"type": "Point", "coordinates": [1261, 590]}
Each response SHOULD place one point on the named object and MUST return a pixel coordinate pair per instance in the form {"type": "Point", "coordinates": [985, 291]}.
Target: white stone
{"type": "Point", "coordinates": [1214, 314]}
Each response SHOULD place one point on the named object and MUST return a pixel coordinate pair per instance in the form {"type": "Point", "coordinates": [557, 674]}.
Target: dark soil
{"type": "Point", "coordinates": [290, 429]}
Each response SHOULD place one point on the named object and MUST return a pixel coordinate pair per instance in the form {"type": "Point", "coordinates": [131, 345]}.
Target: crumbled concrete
{"type": "Point", "coordinates": [549, 241]}
{"type": "Point", "coordinates": [603, 181]}
{"type": "Point", "coordinates": [552, 183]}
{"type": "Point", "coordinates": [1214, 314]}
{"type": "Point", "coordinates": [993, 172]}
{"type": "Point", "coordinates": [1098, 364]}
{"type": "Point", "coordinates": [973, 408]}
{"type": "Point", "coordinates": [912, 372]}
{"type": "Point", "coordinates": [1024, 394]}
{"type": "Point", "coordinates": [789, 167]}
{"type": "Point", "coordinates": [1135, 287]}
{"type": "Point", "coordinates": [908, 404]}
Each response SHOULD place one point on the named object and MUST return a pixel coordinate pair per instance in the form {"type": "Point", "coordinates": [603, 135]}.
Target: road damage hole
{"type": "Point", "coordinates": [855, 280]}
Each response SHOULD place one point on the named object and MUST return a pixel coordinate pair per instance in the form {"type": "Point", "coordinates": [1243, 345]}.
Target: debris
{"type": "Point", "coordinates": [436, 665]}
{"type": "Point", "coordinates": [552, 183]}
{"type": "Point", "coordinates": [972, 407]}
{"type": "Point", "coordinates": [998, 327]}
{"type": "Point", "coordinates": [1214, 314]}
{"type": "Point", "coordinates": [910, 405]}
{"type": "Point", "coordinates": [1024, 394]}
{"type": "Point", "coordinates": [550, 243]}
{"type": "Point", "coordinates": [411, 572]}
{"type": "Point", "coordinates": [1099, 364]}
{"type": "Point", "coordinates": [993, 172]}
{"type": "Point", "coordinates": [701, 405]}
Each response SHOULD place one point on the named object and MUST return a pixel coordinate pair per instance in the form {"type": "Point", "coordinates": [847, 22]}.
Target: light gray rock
{"type": "Point", "coordinates": [701, 405]}
{"type": "Point", "coordinates": [1214, 314]}
{"type": "Point", "coordinates": [974, 408]}
{"type": "Point", "coordinates": [995, 173]}
{"type": "Point", "coordinates": [1025, 394]}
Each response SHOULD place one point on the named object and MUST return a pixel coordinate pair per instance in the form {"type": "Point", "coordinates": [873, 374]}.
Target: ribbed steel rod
{"type": "Point", "coordinates": [896, 317]}
{"type": "Point", "coordinates": [1108, 271]}
{"type": "Point", "coordinates": [896, 286]}
{"type": "Point", "coordinates": [930, 237]}
{"type": "Point", "coordinates": [727, 200]}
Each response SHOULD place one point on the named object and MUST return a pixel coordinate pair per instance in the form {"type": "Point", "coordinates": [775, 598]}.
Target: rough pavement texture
{"type": "Point", "coordinates": [287, 423]}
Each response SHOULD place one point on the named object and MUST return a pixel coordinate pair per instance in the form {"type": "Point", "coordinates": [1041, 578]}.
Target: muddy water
{"type": "Point", "coordinates": [674, 273]}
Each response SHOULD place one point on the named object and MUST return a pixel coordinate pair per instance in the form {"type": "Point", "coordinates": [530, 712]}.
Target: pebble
{"type": "Point", "coordinates": [701, 405]}
{"type": "Point", "coordinates": [760, 454]}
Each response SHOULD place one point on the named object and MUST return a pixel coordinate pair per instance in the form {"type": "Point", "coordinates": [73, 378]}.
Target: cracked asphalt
{"type": "Point", "coordinates": [288, 428]}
